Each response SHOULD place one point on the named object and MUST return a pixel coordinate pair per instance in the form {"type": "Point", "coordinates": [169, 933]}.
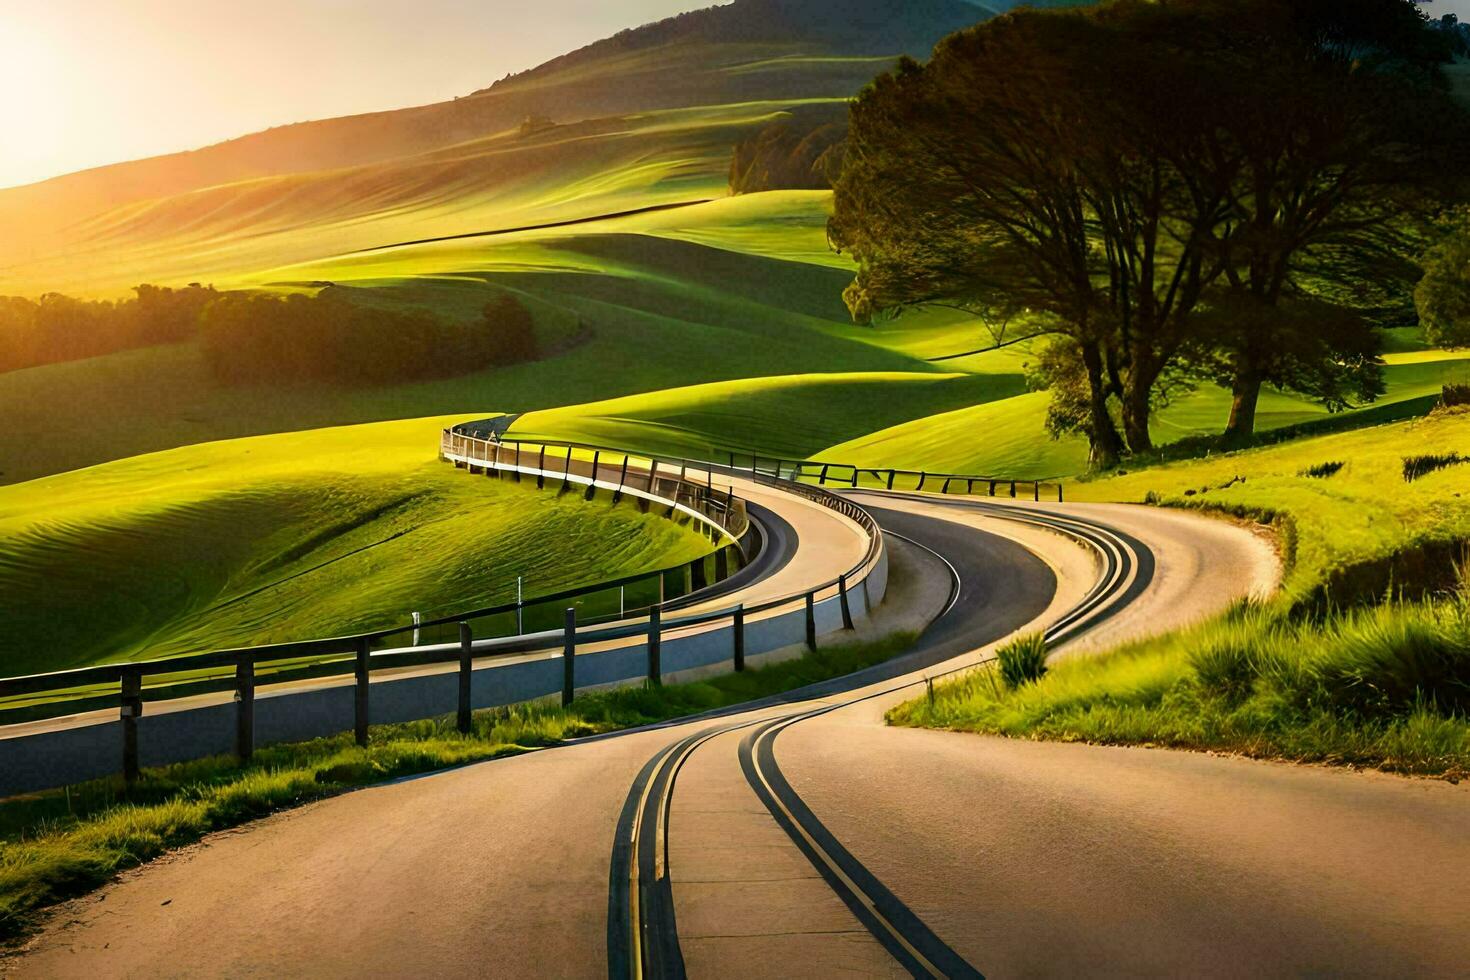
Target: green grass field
{"type": "Point", "coordinates": [285, 537]}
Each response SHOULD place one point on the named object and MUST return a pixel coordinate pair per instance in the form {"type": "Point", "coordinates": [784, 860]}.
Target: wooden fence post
{"type": "Point", "coordinates": [541, 469]}
{"type": "Point", "coordinates": [245, 709]}
{"type": "Point", "coordinates": [131, 709]}
{"type": "Point", "coordinates": [842, 596]}
{"type": "Point", "coordinates": [466, 673]}
{"type": "Point", "coordinates": [569, 658]}
{"type": "Point", "coordinates": [811, 621]}
{"type": "Point", "coordinates": [592, 487]}
{"type": "Point", "coordinates": [360, 705]}
{"type": "Point", "coordinates": [655, 643]}
{"type": "Point", "coordinates": [738, 627]}
{"type": "Point", "coordinates": [1059, 492]}
{"type": "Point", "coordinates": [891, 475]}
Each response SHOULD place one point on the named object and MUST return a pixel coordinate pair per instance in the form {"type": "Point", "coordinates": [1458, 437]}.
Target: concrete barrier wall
{"type": "Point", "coordinates": [92, 747]}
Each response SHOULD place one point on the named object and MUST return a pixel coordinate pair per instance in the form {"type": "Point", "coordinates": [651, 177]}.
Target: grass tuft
{"type": "Point", "coordinates": [1023, 660]}
{"type": "Point", "coordinates": [1417, 466]}
{"type": "Point", "coordinates": [1322, 471]}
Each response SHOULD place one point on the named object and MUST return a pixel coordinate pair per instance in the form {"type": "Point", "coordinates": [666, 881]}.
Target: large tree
{"type": "Point", "coordinates": [1339, 135]}
{"type": "Point", "coordinates": [1124, 174]}
{"type": "Point", "coordinates": [1042, 161]}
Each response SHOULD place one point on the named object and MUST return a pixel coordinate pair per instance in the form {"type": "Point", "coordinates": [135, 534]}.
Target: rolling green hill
{"type": "Point", "coordinates": [650, 113]}
{"type": "Point", "coordinates": [286, 537]}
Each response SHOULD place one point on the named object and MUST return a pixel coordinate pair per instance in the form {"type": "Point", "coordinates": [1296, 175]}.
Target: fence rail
{"type": "Point", "coordinates": [849, 476]}
{"type": "Point", "coordinates": [715, 509]}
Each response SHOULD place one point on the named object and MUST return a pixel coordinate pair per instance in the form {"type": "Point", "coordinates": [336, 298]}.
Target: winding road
{"type": "Point", "coordinates": [803, 837]}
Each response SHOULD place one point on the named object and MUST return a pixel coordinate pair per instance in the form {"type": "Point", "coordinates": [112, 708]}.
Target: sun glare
{"type": "Point", "coordinates": [31, 113]}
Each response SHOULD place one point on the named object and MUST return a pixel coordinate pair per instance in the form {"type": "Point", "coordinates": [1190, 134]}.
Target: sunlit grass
{"type": "Point", "coordinates": [1364, 660]}
{"type": "Point", "coordinates": [286, 537]}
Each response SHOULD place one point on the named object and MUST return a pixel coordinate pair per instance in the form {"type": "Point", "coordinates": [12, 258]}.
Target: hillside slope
{"type": "Point", "coordinates": [363, 180]}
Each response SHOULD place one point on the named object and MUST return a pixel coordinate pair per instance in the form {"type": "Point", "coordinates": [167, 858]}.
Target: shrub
{"type": "Point", "coordinates": [1456, 394]}
{"type": "Point", "coordinates": [1023, 660]}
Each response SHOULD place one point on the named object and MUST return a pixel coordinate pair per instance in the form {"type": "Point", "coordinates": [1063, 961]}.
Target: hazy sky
{"type": "Point", "coordinates": [88, 82]}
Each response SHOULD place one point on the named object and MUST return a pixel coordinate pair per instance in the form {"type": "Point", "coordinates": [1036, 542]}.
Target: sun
{"type": "Point", "coordinates": [35, 125]}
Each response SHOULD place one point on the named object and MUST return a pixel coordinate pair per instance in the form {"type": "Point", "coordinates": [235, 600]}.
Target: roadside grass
{"type": "Point", "coordinates": [1349, 538]}
{"type": "Point", "coordinates": [1381, 687]}
{"type": "Point", "coordinates": [62, 843]}
{"type": "Point", "coordinates": [1363, 660]}
{"type": "Point", "coordinates": [287, 537]}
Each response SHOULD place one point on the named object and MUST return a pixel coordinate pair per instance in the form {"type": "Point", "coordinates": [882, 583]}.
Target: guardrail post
{"type": "Point", "coordinates": [1036, 491]}
{"type": "Point", "coordinates": [592, 487]}
{"type": "Point", "coordinates": [622, 478]}
{"type": "Point", "coordinates": [655, 642]}
{"type": "Point", "coordinates": [541, 469]}
{"type": "Point", "coordinates": [1059, 493]}
{"type": "Point", "coordinates": [245, 709]}
{"type": "Point", "coordinates": [945, 488]}
{"type": "Point", "coordinates": [722, 564]}
{"type": "Point", "coordinates": [360, 702]}
{"type": "Point", "coordinates": [991, 491]}
{"type": "Point", "coordinates": [922, 477]}
{"type": "Point", "coordinates": [516, 473]}
{"type": "Point", "coordinates": [811, 621]}
{"type": "Point", "coordinates": [737, 629]}
{"type": "Point", "coordinates": [1013, 488]}
{"type": "Point", "coordinates": [842, 597]}
{"type": "Point", "coordinates": [822, 476]}
{"type": "Point", "coordinates": [566, 476]}
{"type": "Point", "coordinates": [697, 578]}
{"type": "Point", "coordinates": [466, 673]}
{"type": "Point", "coordinates": [131, 709]}
{"type": "Point", "coordinates": [891, 475]}
{"type": "Point", "coordinates": [569, 657]}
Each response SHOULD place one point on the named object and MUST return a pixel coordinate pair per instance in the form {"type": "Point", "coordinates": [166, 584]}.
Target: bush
{"type": "Point", "coordinates": [1023, 660]}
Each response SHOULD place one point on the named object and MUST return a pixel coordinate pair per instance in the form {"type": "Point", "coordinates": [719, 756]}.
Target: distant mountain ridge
{"type": "Point", "coordinates": [848, 27]}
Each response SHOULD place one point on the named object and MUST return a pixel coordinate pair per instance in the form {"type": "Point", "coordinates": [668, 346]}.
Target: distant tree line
{"type": "Point", "coordinates": [253, 338]}
{"type": "Point", "coordinates": [250, 338]}
{"type": "Point", "coordinates": [59, 328]}
{"type": "Point", "coordinates": [1226, 191]}
{"type": "Point", "coordinates": [802, 151]}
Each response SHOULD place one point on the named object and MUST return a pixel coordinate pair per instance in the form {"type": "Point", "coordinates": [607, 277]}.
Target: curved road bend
{"type": "Point", "coordinates": [1010, 856]}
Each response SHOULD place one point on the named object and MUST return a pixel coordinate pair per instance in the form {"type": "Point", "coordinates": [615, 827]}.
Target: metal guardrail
{"type": "Point", "coordinates": [646, 477]}
{"type": "Point", "coordinates": [355, 654]}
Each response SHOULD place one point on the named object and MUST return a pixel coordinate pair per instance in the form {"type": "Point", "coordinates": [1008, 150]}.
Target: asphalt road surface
{"type": "Point", "coordinates": [805, 837]}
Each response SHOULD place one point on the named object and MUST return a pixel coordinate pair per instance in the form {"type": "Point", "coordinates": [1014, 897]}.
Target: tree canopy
{"type": "Point", "coordinates": [1199, 190]}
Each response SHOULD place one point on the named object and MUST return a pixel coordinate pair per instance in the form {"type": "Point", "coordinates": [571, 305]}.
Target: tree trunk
{"type": "Point", "coordinates": [1137, 401]}
{"type": "Point", "coordinates": [1246, 394]}
{"type": "Point", "coordinates": [1102, 434]}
